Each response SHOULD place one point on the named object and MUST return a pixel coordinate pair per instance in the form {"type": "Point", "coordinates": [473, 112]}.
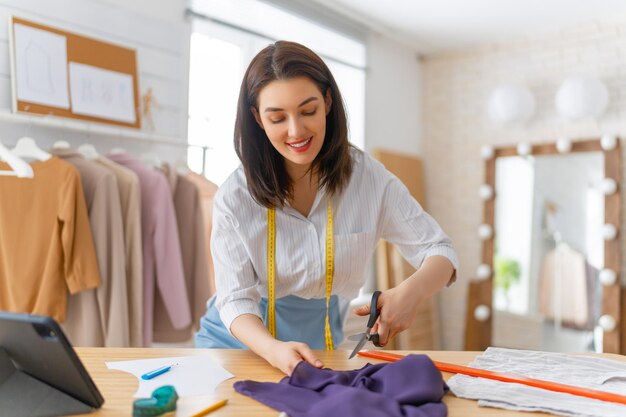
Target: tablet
{"type": "Point", "coordinates": [38, 347]}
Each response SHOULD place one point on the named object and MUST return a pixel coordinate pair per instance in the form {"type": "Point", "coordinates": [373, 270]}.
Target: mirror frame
{"type": "Point", "coordinates": [478, 333]}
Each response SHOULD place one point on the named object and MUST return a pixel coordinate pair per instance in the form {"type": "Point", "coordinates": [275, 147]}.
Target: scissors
{"type": "Point", "coordinates": [364, 337]}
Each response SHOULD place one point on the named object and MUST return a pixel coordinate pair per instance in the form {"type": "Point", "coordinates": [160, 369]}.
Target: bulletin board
{"type": "Point", "coordinates": [60, 73]}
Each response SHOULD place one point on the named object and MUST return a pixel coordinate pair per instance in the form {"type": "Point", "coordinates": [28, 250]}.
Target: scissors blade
{"type": "Point", "coordinates": [359, 346]}
{"type": "Point", "coordinates": [355, 337]}
{"type": "Point", "coordinates": [372, 320]}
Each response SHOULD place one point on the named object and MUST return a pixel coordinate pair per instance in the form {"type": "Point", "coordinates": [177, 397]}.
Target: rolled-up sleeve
{"type": "Point", "coordinates": [235, 281]}
{"type": "Point", "coordinates": [417, 235]}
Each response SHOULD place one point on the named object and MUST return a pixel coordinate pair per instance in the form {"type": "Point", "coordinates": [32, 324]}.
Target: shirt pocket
{"type": "Point", "coordinates": [352, 255]}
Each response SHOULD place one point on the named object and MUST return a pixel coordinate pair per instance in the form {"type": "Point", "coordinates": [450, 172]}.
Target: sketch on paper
{"type": "Point", "coordinates": [102, 93]}
{"type": "Point", "coordinates": [41, 67]}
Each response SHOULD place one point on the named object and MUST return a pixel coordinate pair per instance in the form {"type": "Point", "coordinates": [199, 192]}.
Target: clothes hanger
{"type": "Point", "coordinates": [61, 144]}
{"type": "Point", "coordinates": [26, 147]}
{"type": "Point", "coordinates": [117, 151]}
{"type": "Point", "coordinates": [151, 160]}
{"type": "Point", "coordinates": [19, 167]}
{"type": "Point", "coordinates": [181, 166]}
{"type": "Point", "coordinates": [88, 151]}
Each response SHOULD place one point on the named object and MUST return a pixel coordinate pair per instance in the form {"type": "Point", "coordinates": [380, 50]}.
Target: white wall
{"type": "Point", "coordinates": [392, 97]}
{"type": "Point", "coordinates": [392, 105]}
{"type": "Point", "coordinates": [164, 10]}
{"type": "Point", "coordinates": [155, 29]}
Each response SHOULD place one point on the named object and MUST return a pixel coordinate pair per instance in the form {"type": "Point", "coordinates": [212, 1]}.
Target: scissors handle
{"type": "Point", "coordinates": [373, 310]}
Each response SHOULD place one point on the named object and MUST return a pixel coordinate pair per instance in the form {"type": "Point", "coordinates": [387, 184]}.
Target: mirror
{"type": "Point", "coordinates": [548, 252]}
{"type": "Point", "coordinates": [543, 282]}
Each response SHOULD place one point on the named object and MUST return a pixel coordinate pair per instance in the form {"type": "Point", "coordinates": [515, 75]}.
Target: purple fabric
{"type": "Point", "coordinates": [411, 387]}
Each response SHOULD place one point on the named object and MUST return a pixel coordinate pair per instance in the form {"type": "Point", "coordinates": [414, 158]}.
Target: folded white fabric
{"type": "Point", "coordinates": [582, 371]}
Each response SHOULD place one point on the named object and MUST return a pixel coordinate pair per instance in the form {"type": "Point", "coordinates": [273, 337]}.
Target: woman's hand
{"type": "Point", "coordinates": [286, 355]}
{"type": "Point", "coordinates": [398, 305]}
{"type": "Point", "coordinates": [250, 330]}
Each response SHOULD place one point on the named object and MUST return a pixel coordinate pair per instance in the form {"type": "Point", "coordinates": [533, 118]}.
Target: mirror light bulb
{"type": "Point", "coordinates": [608, 142]}
{"type": "Point", "coordinates": [524, 148]}
{"type": "Point", "coordinates": [485, 231]}
{"type": "Point", "coordinates": [482, 313]}
{"type": "Point", "coordinates": [485, 192]}
{"type": "Point", "coordinates": [607, 322]}
{"type": "Point", "coordinates": [487, 152]}
{"type": "Point", "coordinates": [563, 145]}
{"type": "Point", "coordinates": [609, 231]}
{"type": "Point", "coordinates": [483, 271]}
{"type": "Point", "coordinates": [607, 276]}
{"type": "Point", "coordinates": [608, 186]}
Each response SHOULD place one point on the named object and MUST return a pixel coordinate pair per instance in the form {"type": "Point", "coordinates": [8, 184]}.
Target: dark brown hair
{"type": "Point", "coordinates": [266, 174]}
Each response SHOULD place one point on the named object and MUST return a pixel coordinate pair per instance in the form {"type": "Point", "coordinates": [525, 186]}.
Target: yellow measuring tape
{"type": "Point", "coordinates": [271, 272]}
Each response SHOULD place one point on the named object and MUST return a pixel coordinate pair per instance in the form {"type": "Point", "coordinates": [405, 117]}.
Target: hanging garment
{"type": "Point", "coordinates": [207, 193]}
{"type": "Point", "coordinates": [130, 200]}
{"type": "Point", "coordinates": [594, 295]}
{"type": "Point", "coordinates": [411, 387]}
{"type": "Point", "coordinates": [187, 206]}
{"type": "Point", "coordinates": [578, 370]}
{"type": "Point", "coordinates": [162, 263]}
{"type": "Point", "coordinates": [563, 293]}
{"type": "Point", "coordinates": [46, 246]}
{"type": "Point", "coordinates": [100, 318]}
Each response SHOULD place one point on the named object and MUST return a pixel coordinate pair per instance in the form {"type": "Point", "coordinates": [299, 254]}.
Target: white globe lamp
{"type": "Point", "coordinates": [580, 97]}
{"type": "Point", "coordinates": [511, 103]}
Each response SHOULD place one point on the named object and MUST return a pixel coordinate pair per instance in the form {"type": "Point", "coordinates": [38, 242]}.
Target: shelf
{"type": "Point", "coordinates": [89, 127]}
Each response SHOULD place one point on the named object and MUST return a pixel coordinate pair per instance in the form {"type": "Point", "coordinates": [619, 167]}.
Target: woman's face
{"type": "Point", "coordinates": [293, 114]}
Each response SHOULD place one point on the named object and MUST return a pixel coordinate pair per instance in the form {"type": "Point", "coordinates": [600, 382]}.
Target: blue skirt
{"type": "Point", "coordinates": [297, 319]}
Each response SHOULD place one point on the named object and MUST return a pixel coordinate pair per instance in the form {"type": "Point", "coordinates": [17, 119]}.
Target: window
{"type": "Point", "coordinates": [218, 59]}
{"type": "Point", "coordinates": [222, 46]}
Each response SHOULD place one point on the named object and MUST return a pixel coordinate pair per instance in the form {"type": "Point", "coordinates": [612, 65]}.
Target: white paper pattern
{"type": "Point", "coordinates": [194, 375]}
{"type": "Point", "coordinates": [102, 93]}
{"type": "Point", "coordinates": [41, 67]}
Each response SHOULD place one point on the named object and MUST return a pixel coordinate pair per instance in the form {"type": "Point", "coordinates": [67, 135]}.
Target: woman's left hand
{"type": "Point", "coordinates": [397, 307]}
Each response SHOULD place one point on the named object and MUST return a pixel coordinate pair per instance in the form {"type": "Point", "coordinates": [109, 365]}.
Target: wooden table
{"type": "Point", "coordinates": [118, 387]}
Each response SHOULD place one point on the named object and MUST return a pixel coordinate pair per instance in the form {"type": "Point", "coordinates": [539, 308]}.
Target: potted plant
{"type": "Point", "coordinates": [506, 274]}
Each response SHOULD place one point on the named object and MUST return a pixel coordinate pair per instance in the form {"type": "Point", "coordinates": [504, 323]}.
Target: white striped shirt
{"type": "Point", "coordinates": [374, 205]}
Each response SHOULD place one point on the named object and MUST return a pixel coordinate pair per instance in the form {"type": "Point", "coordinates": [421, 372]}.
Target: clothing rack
{"type": "Point", "coordinates": [99, 129]}
{"type": "Point", "coordinates": [95, 128]}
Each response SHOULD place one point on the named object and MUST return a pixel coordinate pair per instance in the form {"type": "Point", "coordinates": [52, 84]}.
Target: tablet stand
{"type": "Point", "coordinates": [22, 395]}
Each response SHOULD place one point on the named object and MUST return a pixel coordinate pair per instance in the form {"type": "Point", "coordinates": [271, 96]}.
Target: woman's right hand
{"type": "Point", "coordinates": [286, 355]}
{"type": "Point", "coordinates": [250, 330]}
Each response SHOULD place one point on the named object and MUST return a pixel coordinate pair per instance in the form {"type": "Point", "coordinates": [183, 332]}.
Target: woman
{"type": "Point", "coordinates": [295, 225]}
